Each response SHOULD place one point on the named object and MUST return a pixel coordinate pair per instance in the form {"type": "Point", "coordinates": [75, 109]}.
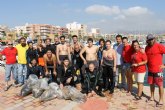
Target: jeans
{"type": "Point", "coordinates": [8, 69]}
{"type": "Point", "coordinates": [22, 73]}
{"type": "Point", "coordinates": [119, 70]}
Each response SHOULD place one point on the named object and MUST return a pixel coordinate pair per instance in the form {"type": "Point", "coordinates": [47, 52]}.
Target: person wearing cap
{"type": "Point", "coordinates": [10, 52]}
{"type": "Point", "coordinates": [154, 52]}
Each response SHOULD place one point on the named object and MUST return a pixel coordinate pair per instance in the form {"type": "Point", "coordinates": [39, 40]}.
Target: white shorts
{"type": "Point", "coordinates": [139, 77]}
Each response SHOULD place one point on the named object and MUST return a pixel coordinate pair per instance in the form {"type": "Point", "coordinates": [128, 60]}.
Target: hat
{"type": "Point", "coordinates": [150, 36]}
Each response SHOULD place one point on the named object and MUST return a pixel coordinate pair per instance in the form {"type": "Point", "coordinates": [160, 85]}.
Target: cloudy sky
{"type": "Point", "coordinates": [108, 15]}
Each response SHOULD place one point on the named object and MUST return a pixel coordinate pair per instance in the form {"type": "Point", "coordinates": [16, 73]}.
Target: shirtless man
{"type": "Point", "coordinates": [62, 51]}
{"type": "Point", "coordinates": [50, 64]}
{"type": "Point", "coordinates": [91, 53]}
{"type": "Point", "coordinates": [75, 42]}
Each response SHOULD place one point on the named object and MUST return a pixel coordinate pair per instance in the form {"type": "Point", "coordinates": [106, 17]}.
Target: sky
{"type": "Point", "coordinates": [108, 15]}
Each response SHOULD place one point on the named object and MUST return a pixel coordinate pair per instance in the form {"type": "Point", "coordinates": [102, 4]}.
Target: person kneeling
{"type": "Point", "coordinates": [34, 68]}
{"type": "Point", "coordinates": [93, 78]}
{"type": "Point", "coordinates": [69, 75]}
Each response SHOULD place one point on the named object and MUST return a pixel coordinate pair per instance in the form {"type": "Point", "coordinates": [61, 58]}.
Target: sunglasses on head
{"type": "Point", "coordinates": [10, 44]}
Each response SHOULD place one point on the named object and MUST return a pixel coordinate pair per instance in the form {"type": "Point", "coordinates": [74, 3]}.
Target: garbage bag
{"type": "Point", "coordinates": [27, 88]}
{"type": "Point", "coordinates": [40, 86]}
{"type": "Point", "coordinates": [49, 93]}
{"type": "Point", "coordinates": [66, 92]}
{"type": "Point", "coordinates": [77, 95]}
{"type": "Point", "coordinates": [71, 93]}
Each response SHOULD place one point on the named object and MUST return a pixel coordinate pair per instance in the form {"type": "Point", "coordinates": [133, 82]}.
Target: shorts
{"type": "Point", "coordinates": [155, 78]}
{"type": "Point", "coordinates": [139, 77]}
{"type": "Point", "coordinates": [62, 57]}
{"type": "Point", "coordinates": [95, 62]}
{"type": "Point", "coordinates": [126, 66]}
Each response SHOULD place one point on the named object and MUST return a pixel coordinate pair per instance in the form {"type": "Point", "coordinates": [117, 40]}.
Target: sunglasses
{"type": "Point", "coordinates": [10, 44]}
{"type": "Point", "coordinates": [150, 39]}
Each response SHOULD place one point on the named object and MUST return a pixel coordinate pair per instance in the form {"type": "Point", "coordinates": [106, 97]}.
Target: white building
{"type": "Point", "coordinates": [77, 29]}
{"type": "Point", "coordinates": [95, 32]}
{"type": "Point", "coordinates": [21, 29]}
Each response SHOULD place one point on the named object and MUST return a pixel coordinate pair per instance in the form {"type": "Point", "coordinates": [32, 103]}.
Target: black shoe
{"type": "Point", "coordinates": [111, 92]}
{"type": "Point", "coordinates": [100, 94]}
{"type": "Point", "coordinates": [105, 90]}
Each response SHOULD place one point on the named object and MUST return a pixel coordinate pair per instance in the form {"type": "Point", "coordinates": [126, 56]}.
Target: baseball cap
{"type": "Point", "coordinates": [150, 36]}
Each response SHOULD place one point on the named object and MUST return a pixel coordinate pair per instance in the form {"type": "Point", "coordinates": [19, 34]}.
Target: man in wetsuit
{"type": "Point", "coordinates": [35, 69]}
{"type": "Point", "coordinates": [69, 75]}
{"type": "Point", "coordinates": [93, 78]}
{"type": "Point", "coordinates": [49, 46]}
{"type": "Point", "coordinates": [50, 65]}
{"type": "Point", "coordinates": [62, 51]}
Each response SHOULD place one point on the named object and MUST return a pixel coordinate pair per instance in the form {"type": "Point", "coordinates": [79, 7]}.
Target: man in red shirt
{"type": "Point", "coordinates": [10, 52]}
{"type": "Point", "coordinates": [126, 54]}
{"type": "Point", "coordinates": [155, 65]}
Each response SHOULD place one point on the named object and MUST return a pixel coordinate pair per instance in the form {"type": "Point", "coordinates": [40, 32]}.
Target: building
{"type": "Point", "coordinates": [95, 32]}
{"type": "Point", "coordinates": [62, 31]}
{"type": "Point", "coordinates": [77, 29]}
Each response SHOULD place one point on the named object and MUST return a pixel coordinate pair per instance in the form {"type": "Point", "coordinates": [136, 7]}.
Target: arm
{"type": "Point", "coordinates": [114, 56]}
{"type": "Point", "coordinates": [45, 62]}
{"type": "Point", "coordinates": [54, 64]}
{"type": "Point", "coordinates": [69, 54]}
{"type": "Point", "coordinates": [57, 54]}
{"type": "Point", "coordinates": [81, 54]}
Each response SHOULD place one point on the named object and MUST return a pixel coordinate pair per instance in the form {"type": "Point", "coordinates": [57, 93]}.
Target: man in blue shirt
{"type": "Point", "coordinates": [118, 46]}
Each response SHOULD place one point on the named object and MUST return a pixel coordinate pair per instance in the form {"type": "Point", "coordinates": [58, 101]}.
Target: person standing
{"type": "Point", "coordinates": [62, 51]}
{"type": "Point", "coordinates": [109, 67]}
{"type": "Point", "coordinates": [22, 62]}
{"type": "Point", "coordinates": [155, 66]}
{"type": "Point", "coordinates": [31, 53]}
{"type": "Point", "coordinates": [138, 61]}
{"type": "Point", "coordinates": [100, 51]}
{"type": "Point", "coordinates": [118, 47]}
{"type": "Point", "coordinates": [10, 52]}
{"type": "Point", "coordinates": [126, 54]}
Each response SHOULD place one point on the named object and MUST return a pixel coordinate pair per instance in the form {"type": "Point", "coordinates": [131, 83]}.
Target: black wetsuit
{"type": "Point", "coordinates": [72, 71]}
{"type": "Point", "coordinates": [76, 59]}
{"type": "Point", "coordinates": [108, 74]}
{"type": "Point", "coordinates": [31, 54]}
{"type": "Point", "coordinates": [37, 70]}
{"type": "Point", "coordinates": [50, 47]}
{"type": "Point", "coordinates": [93, 79]}
{"type": "Point", "coordinates": [55, 46]}
{"type": "Point", "coordinates": [42, 52]}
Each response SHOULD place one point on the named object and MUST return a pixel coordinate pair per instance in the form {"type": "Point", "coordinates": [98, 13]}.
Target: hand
{"type": "Point", "coordinates": [85, 62]}
{"type": "Point", "coordinates": [135, 65]}
{"type": "Point", "coordinates": [93, 92]}
{"type": "Point", "coordinates": [41, 77]}
{"type": "Point", "coordinates": [114, 69]}
{"type": "Point", "coordinates": [30, 65]}
{"type": "Point", "coordinates": [46, 73]}
{"type": "Point", "coordinates": [61, 85]}
{"type": "Point", "coordinates": [162, 66]}
{"type": "Point", "coordinates": [55, 73]}
{"type": "Point", "coordinates": [59, 62]}
{"type": "Point", "coordinates": [68, 80]}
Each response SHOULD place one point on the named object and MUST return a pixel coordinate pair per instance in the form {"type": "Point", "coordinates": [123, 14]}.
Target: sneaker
{"type": "Point", "coordinates": [19, 85]}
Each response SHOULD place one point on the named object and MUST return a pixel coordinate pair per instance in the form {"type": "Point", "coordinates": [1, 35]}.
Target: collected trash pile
{"type": "Point", "coordinates": [41, 89]}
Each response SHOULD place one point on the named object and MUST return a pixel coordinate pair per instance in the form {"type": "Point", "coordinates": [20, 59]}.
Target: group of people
{"type": "Point", "coordinates": [91, 69]}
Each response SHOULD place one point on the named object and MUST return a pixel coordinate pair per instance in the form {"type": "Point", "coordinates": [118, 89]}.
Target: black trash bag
{"type": "Point", "coordinates": [40, 86]}
{"type": "Point", "coordinates": [27, 88]}
{"type": "Point", "coordinates": [49, 93]}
